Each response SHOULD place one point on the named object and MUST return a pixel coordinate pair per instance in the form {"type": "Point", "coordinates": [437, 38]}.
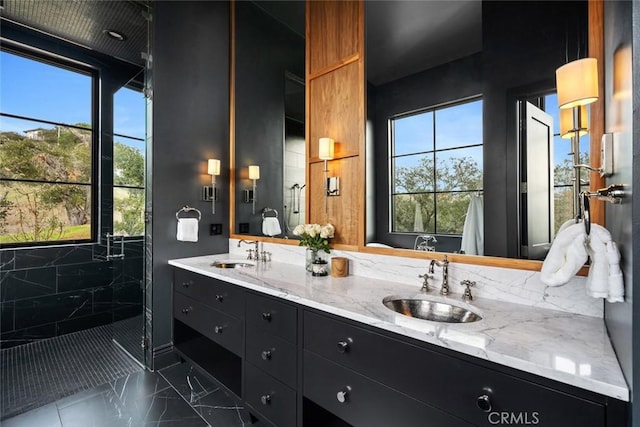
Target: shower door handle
{"type": "Point", "coordinates": [113, 238]}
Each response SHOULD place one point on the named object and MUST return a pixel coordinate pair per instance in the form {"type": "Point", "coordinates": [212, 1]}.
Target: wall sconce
{"type": "Point", "coordinates": [326, 151]}
{"type": "Point", "coordinates": [577, 85]}
{"type": "Point", "coordinates": [254, 175]}
{"type": "Point", "coordinates": [210, 194]}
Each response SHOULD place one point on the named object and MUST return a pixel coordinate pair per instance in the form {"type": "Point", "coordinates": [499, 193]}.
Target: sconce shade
{"type": "Point", "coordinates": [567, 126]}
{"type": "Point", "coordinates": [254, 172]}
{"type": "Point", "coordinates": [577, 83]}
{"type": "Point", "coordinates": [326, 148]}
{"type": "Point", "coordinates": [213, 167]}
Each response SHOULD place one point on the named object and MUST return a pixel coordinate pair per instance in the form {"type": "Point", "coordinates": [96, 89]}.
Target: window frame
{"type": "Point", "coordinates": [49, 58]}
{"type": "Point", "coordinates": [391, 163]}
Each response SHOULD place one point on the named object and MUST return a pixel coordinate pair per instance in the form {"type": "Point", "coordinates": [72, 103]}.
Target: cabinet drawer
{"type": "Point", "coordinates": [274, 355]}
{"type": "Point", "coordinates": [213, 324]}
{"type": "Point", "coordinates": [445, 382]}
{"type": "Point", "coordinates": [272, 317]}
{"type": "Point", "coordinates": [274, 400]}
{"type": "Point", "coordinates": [215, 293]}
{"type": "Point", "coordinates": [363, 402]}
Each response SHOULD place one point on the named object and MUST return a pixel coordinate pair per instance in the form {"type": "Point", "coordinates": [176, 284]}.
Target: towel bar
{"type": "Point", "coordinates": [267, 210]}
{"type": "Point", "coordinates": [612, 194]}
{"type": "Point", "coordinates": [188, 209]}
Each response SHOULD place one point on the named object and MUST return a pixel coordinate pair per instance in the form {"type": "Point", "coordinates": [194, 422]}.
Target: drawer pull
{"type": "Point", "coordinates": [343, 394]}
{"type": "Point", "coordinates": [186, 310]}
{"type": "Point", "coordinates": [343, 346]}
{"type": "Point", "coordinates": [266, 355]}
{"type": "Point", "coordinates": [217, 329]}
{"type": "Point", "coordinates": [484, 403]}
{"type": "Point", "coordinates": [266, 316]}
{"type": "Point", "coordinates": [219, 297]}
{"type": "Point", "coordinates": [265, 399]}
{"type": "Point", "coordinates": [187, 283]}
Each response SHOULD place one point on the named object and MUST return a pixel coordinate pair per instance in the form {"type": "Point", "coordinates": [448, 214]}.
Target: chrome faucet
{"type": "Point", "coordinates": [253, 254]}
{"type": "Point", "coordinates": [444, 290]}
{"type": "Point", "coordinates": [466, 297]}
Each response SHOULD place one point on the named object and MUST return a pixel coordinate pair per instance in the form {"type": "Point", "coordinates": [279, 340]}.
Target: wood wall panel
{"type": "Point", "coordinates": [337, 110]}
{"type": "Point", "coordinates": [333, 32]}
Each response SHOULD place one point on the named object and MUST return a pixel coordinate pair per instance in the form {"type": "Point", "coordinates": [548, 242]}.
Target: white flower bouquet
{"type": "Point", "coordinates": [315, 236]}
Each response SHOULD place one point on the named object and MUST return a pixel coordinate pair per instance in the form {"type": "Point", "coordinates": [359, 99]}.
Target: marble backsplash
{"type": "Point", "coordinates": [503, 284]}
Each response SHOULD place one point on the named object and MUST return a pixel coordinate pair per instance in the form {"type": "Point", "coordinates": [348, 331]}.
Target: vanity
{"type": "Point", "coordinates": [302, 350]}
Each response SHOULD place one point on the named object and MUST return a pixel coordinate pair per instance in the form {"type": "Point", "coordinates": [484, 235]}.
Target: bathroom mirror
{"type": "Point", "coordinates": [269, 110]}
{"type": "Point", "coordinates": [444, 81]}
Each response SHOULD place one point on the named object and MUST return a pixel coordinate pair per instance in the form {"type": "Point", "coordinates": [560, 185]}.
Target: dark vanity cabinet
{"type": "Point", "coordinates": [294, 365]}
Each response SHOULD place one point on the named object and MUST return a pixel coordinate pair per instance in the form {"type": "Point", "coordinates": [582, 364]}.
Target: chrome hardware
{"type": "Point", "coordinates": [217, 329]}
{"type": "Point", "coordinates": [112, 237]}
{"type": "Point", "coordinates": [186, 310]}
{"type": "Point", "coordinates": [444, 290]}
{"type": "Point", "coordinates": [219, 298]}
{"type": "Point", "coordinates": [484, 403]}
{"type": "Point", "coordinates": [187, 284]}
{"type": "Point", "coordinates": [265, 256]}
{"type": "Point", "coordinates": [265, 399]}
{"type": "Point", "coordinates": [467, 290]}
{"type": "Point", "coordinates": [343, 346]}
{"type": "Point", "coordinates": [425, 283]}
{"type": "Point", "coordinates": [266, 355]}
{"type": "Point", "coordinates": [343, 394]}
{"type": "Point", "coordinates": [250, 252]}
{"type": "Point", "coordinates": [254, 254]}
{"type": "Point", "coordinates": [266, 316]}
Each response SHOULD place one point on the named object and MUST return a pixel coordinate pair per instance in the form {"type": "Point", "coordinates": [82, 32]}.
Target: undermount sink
{"type": "Point", "coordinates": [231, 264]}
{"type": "Point", "coordinates": [430, 310]}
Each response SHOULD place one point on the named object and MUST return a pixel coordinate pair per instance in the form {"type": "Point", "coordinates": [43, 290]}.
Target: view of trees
{"type": "Point", "coordinates": [46, 185]}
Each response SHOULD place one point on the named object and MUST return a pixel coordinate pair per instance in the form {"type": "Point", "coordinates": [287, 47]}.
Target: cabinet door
{"type": "Point", "coordinates": [269, 397]}
{"type": "Point", "coordinates": [274, 355]}
{"type": "Point", "coordinates": [215, 325]}
{"type": "Point", "coordinates": [363, 402]}
{"type": "Point", "coordinates": [214, 293]}
{"type": "Point", "coordinates": [458, 387]}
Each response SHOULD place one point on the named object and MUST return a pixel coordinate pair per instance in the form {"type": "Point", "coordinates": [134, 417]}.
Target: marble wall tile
{"type": "Point", "coordinates": [503, 284]}
{"type": "Point", "coordinates": [7, 258]}
{"type": "Point", "coordinates": [88, 275]}
{"type": "Point", "coordinates": [82, 323]}
{"type": "Point", "coordinates": [27, 335]}
{"type": "Point", "coordinates": [6, 316]}
{"type": "Point", "coordinates": [52, 256]}
{"type": "Point", "coordinates": [51, 308]}
{"type": "Point", "coordinates": [20, 284]}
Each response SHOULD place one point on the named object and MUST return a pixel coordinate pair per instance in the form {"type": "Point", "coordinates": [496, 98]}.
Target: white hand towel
{"type": "Point", "coordinates": [605, 277]}
{"type": "Point", "coordinates": [187, 229]}
{"type": "Point", "coordinates": [271, 226]}
{"type": "Point", "coordinates": [566, 256]}
{"type": "Point", "coordinates": [473, 230]}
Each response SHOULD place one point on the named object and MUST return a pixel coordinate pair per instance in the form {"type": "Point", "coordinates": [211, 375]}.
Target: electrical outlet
{"type": "Point", "coordinates": [243, 228]}
{"type": "Point", "coordinates": [215, 229]}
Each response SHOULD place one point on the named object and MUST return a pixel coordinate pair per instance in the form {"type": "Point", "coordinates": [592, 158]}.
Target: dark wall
{"type": "Point", "coordinates": [265, 50]}
{"type": "Point", "coordinates": [190, 124]}
{"type": "Point", "coordinates": [622, 220]}
{"type": "Point", "coordinates": [50, 291]}
{"type": "Point", "coordinates": [449, 82]}
{"type": "Point", "coordinates": [523, 44]}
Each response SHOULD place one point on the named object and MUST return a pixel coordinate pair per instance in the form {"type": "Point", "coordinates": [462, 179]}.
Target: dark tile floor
{"type": "Point", "coordinates": [175, 396]}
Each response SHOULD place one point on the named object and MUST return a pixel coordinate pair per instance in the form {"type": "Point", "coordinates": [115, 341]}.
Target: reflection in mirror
{"type": "Point", "coordinates": [269, 115]}
{"type": "Point", "coordinates": [442, 114]}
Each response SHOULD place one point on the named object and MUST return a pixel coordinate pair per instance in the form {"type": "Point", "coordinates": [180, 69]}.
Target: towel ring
{"type": "Point", "coordinates": [188, 209]}
{"type": "Point", "coordinates": [586, 212]}
{"type": "Point", "coordinates": [267, 210]}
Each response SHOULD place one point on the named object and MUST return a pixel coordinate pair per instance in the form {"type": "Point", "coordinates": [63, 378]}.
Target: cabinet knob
{"type": "Point", "coordinates": [266, 355]}
{"type": "Point", "coordinates": [219, 297]}
{"type": "Point", "coordinates": [343, 394]}
{"type": "Point", "coordinates": [484, 403]}
{"type": "Point", "coordinates": [217, 329]}
{"type": "Point", "coordinates": [186, 310]}
{"type": "Point", "coordinates": [187, 283]}
{"type": "Point", "coordinates": [266, 316]}
{"type": "Point", "coordinates": [343, 346]}
{"type": "Point", "coordinates": [265, 399]}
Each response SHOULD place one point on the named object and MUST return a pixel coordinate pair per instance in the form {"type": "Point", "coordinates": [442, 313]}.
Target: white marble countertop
{"type": "Point", "coordinates": [569, 348]}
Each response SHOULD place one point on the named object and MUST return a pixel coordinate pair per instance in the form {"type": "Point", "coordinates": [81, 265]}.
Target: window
{"type": "Point", "coordinates": [436, 167]}
{"type": "Point", "coordinates": [46, 150]}
{"type": "Point", "coordinates": [128, 162]}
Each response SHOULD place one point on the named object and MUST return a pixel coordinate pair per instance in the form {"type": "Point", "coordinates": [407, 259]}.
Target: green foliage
{"type": "Point", "coordinates": [128, 214]}
{"type": "Point", "coordinates": [128, 165]}
{"type": "Point", "coordinates": [5, 207]}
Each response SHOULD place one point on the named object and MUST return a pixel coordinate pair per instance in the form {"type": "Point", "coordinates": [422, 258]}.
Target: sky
{"type": "Point", "coordinates": [35, 89]}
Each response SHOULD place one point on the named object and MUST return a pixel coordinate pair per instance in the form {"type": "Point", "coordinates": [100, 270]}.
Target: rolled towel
{"type": "Point", "coordinates": [187, 230]}
{"type": "Point", "coordinates": [271, 226]}
{"type": "Point", "coordinates": [605, 278]}
{"type": "Point", "coordinates": [566, 256]}
{"type": "Point", "coordinates": [616, 282]}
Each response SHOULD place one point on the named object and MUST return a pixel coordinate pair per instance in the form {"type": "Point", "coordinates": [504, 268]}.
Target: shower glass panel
{"type": "Point", "coordinates": [127, 242]}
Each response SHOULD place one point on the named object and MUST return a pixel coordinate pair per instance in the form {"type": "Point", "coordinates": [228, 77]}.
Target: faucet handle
{"type": "Point", "coordinates": [265, 256]}
{"type": "Point", "coordinates": [466, 296]}
{"type": "Point", "coordinates": [425, 282]}
{"type": "Point", "coordinates": [250, 254]}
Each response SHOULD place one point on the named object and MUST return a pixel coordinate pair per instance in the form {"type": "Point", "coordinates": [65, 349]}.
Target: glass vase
{"type": "Point", "coordinates": [310, 256]}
